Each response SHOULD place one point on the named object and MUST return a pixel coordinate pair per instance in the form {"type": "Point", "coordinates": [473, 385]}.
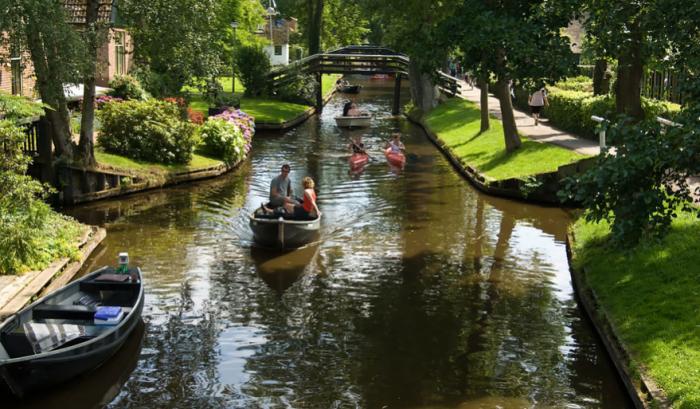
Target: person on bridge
{"type": "Point", "coordinates": [395, 143]}
{"type": "Point", "coordinates": [307, 209]}
{"type": "Point", "coordinates": [281, 189]}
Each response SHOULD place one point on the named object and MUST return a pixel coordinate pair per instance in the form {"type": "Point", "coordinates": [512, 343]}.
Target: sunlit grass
{"type": "Point", "coordinates": [264, 110]}
{"type": "Point", "coordinates": [457, 123]}
{"type": "Point", "coordinates": [652, 295]}
{"type": "Point", "coordinates": [117, 161]}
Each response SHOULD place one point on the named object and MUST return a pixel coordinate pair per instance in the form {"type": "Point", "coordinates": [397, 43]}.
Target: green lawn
{"type": "Point", "coordinates": [262, 109]}
{"type": "Point", "coordinates": [457, 122]}
{"type": "Point", "coordinates": [117, 161]}
{"type": "Point", "coordinates": [652, 295]}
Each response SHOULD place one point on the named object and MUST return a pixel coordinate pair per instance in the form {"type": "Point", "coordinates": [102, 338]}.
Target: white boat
{"type": "Point", "coordinates": [353, 121]}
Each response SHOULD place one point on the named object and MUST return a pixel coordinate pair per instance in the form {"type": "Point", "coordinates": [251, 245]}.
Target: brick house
{"type": "Point", "coordinates": [114, 57]}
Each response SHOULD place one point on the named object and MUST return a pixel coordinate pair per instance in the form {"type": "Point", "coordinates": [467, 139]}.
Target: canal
{"type": "Point", "coordinates": [422, 292]}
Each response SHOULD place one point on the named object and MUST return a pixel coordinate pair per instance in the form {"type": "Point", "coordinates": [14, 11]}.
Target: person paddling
{"type": "Point", "coordinates": [395, 143]}
{"type": "Point", "coordinates": [356, 145]}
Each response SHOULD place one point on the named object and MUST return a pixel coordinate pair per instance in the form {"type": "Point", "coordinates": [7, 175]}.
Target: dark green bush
{"type": "Point", "coordinates": [15, 107]}
{"type": "Point", "coordinates": [581, 83]}
{"type": "Point", "coordinates": [126, 87]}
{"type": "Point", "coordinates": [254, 65]}
{"type": "Point", "coordinates": [147, 130]}
{"type": "Point", "coordinates": [301, 91]}
{"type": "Point", "coordinates": [31, 234]}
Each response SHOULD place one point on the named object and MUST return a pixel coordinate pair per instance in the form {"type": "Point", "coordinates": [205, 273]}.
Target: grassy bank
{"type": "Point", "coordinates": [457, 122]}
{"type": "Point", "coordinates": [651, 294]}
{"type": "Point", "coordinates": [262, 109]}
{"type": "Point", "coordinates": [122, 162]}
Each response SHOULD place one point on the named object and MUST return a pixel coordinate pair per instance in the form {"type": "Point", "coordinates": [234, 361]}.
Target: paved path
{"type": "Point", "coordinates": [545, 133]}
{"type": "Point", "coordinates": [526, 125]}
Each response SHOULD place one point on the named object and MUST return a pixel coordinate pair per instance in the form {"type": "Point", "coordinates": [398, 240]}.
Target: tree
{"type": "Point", "coordinates": [57, 53]}
{"type": "Point", "coordinates": [637, 33]}
{"type": "Point", "coordinates": [510, 39]}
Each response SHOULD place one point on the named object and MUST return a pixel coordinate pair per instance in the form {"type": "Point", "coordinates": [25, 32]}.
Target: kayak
{"type": "Point", "coordinates": [358, 160]}
{"type": "Point", "coordinates": [395, 158]}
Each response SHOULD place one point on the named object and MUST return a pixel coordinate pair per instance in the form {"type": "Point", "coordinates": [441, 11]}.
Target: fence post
{"type": "Point", "coordinates": [601, 135]}
{"type": "Point", "coordinates": [45, 150]}
{"type": "Point", "coordinates": [319, 92]}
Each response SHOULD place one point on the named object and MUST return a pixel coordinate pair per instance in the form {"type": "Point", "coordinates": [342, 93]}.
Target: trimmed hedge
{"type": "Point", "coordinates": [147, 130]}
{"type": "Point", "coordinates": [571, 110]}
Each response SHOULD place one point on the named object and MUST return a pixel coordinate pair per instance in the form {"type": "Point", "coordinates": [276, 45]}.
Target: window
{"type": "Point", "coordinates": [278, 50]}
{"type": "Point", "coordinates": [16, 69]}
{"type": "Point", "coordinates": [119, 53]}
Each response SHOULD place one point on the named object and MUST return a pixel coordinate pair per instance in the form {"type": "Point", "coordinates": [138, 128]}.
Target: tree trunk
{"type": "Point", "coordinates": [86, 147]}
{"type": "Point", "coordinates": [423, 91]}
{"type": "Point", "coordinates": [51, 94]}
{"type": "Point", "coordinates": [628, 98]}
{"type": "Point", "coordinates": [315, 9]}
{"type": "Point", "coordinates": [510, 130]}
{"type": "Point", "coordinates": [601, 85]}
{"type": "Point", "coordinates": [484, 104]}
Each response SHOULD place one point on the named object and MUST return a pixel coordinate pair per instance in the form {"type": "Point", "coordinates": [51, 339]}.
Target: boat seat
{"type": "Point", "coordinates": [95, 286]}
{"type": "Point", "coordinates": [35, 338]}
{"type": "Point", "coordinates": [68, 312]}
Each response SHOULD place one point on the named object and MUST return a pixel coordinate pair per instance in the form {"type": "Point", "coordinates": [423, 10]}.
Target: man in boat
{"type": "Point", "coordinates": [281, 189]}
{"type": "Point", "coordinates": [395, 143]}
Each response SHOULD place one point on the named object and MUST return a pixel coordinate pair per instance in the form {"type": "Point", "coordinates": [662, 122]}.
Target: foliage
{"type": "Point", "coordinates": [222, 137]}
{"type": "Point", "coordinates": [650, 294]}
{"type": "Point", "coordinates": [253, 65]}
{"type": "Point", "coordinates": [302, 90]}
{"type": "Point", "coordinates": [640, 188]}
{"type": "Point", "coordinates": [195, 117]}
{"type": "Point", "coordinates": [126, 87]}
{"type": "Point", "coordinates": [105, 99]}
{"type": "Point", "coordinates": [177, 40]}
{"type": "Point", "coordinates": [31, 234]}
{"type": "Point", "coordinates": [148, 130]}
{"type": "Point", "coordinates": [14, 107]}
{"type": "Point", "coordinates": [581, 83]}
{"type": "Point", "coordinates": [457, 125]}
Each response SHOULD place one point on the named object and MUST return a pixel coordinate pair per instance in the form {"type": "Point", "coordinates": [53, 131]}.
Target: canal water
{"type": "Point", "coordinates": [421, 293]}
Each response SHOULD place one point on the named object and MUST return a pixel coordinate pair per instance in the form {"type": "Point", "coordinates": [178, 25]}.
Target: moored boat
{"type": "Point", "coordinates": [349, 89]}
{"type": "Point", "coordinates": [70, 331]}
{"type": "Point", "coordinates": [353, 121]}
{"type": "Point", "coordinates": [276, 231]}
{"type": "Point", "coordinates": [395, 158]}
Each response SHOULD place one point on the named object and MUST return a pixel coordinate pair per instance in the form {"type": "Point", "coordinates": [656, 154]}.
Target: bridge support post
{"type": "Point", "coordinates": [397, 94]}
{"type": "Point", "coordinates": [319, 92]}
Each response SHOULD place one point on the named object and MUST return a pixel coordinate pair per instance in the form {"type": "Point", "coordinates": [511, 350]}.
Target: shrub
{"type": "Point", "coordinates": [31, 234]}
{"type": "Point", "coordinates": [126, 87]}
{"type": "Point", "coordinates": [228, 135]}
{"type": "Point", "coordinates": [104, 99]}
{"type": "Point", "coordinates": [147, 130]}
{"type": "Point", "coordinates": [195, 117]}
{"type": "Point", "coordinates": [581, 83]}
{"type": "Point", "coordinates": [15, 107]}
{"type": "Point", "coordinates": [254, 65]}
{"type": "Point", "coordinates": [302, 90]}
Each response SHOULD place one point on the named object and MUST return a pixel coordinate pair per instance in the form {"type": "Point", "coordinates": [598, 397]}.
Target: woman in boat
{"type": "Point", "coordinates": [395, 143]}
{"type": "Point", "coordinates": [308, 208]}
{"type": "Point", "coordinates": [354, 111]}
{"type": "Point", "coordinates": [356, 145]}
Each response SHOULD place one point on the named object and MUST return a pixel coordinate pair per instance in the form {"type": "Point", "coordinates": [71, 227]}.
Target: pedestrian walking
{"type": "Point", "coordinates": [537, 101]}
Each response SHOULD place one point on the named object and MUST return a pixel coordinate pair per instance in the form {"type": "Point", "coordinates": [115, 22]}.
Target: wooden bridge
{"type": "Point", "coordinates": [356, 59]}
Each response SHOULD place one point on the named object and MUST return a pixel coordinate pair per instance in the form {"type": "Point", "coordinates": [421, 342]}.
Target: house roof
{"type": "Point", "coordinates": [77, 9]}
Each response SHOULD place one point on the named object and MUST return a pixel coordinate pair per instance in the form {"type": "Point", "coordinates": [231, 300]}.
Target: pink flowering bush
{"type": "Point", "coordinates": [228, 135]}
{"type": "Point", "coordinates": [105, 99]}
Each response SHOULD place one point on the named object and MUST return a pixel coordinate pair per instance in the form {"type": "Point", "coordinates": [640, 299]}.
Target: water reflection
{"type": "Point", "coordinates": [421, 293]}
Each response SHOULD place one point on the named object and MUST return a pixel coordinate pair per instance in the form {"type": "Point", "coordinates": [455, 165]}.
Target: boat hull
{"type": "Point", "coordinates": [282, 234]}
{"type": "Point", "coordinates": [358, 160]}
{"type": "Point", "coordinates": [353, 121]}
{"type": "Point", "coordinates": [34, 372]}
{"type": "Point", "coordinates": [395, 159]}
{"type": "Point", "coordinates": [350, 89]}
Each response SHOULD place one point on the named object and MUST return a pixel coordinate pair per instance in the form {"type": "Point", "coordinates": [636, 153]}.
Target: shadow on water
{"type": "Point", "coordinates": [94, 389]}
{"type": "Point", "coordinates": [282, 268]}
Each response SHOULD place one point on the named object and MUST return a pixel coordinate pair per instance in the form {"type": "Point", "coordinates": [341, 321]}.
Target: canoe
{"type": "Point", "coordinates": [349, 89]}
{"type": "Point", "coordinates": [380, 77]}
{"type": "Point", "coordinates": [357, 160]}
{"type": "Point", "coordinates": [394, 158]}
{"type": "Point", "coordinates": [276, 231]}
{"type": "Point", "coordinates": [58, 338]}
{"type": "Point", "coordinates": [353, 121]}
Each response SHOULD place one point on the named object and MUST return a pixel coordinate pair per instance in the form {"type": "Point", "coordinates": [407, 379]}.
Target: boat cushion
{"type": "Point", "coordinates": [47, 337]}
{"type": "Point", "coordinates": [63, 311]}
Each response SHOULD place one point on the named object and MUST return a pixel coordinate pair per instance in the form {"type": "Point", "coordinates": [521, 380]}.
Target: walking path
{"type": "Point", "coordinates": [526, 125]}
{"type": "Point", "coordinates": [545, 133]}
